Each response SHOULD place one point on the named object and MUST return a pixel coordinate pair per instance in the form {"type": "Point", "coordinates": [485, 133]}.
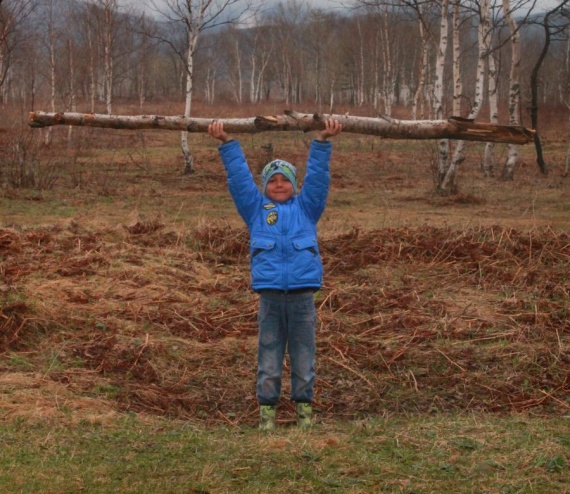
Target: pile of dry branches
{"type": "Point", "coordinates": [411, 320]}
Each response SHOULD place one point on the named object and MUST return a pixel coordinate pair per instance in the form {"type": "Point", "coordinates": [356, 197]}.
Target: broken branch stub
{"type": "Point", "coordinates": [453, 128]}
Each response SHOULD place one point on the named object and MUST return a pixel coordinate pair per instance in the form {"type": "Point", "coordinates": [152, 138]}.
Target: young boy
{"type": "Point", "coordinates": [286, 266]}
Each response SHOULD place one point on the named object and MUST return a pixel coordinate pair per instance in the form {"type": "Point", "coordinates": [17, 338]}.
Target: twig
{"type": "Point", "coordinates": [414, 379]}
{"type": "Point", "coordinates": [355, 372]}
{"type": "Point", "coordinates": [549, 395]}
{"type": "Point", "coordinates": [226, 419]}
{"type": "Point", "coordinates": [140, 353]}
{"type": "Point", "coordinates": [403, 350]}
{"type": "Point", "coordinates": [450, 361]}
{"type": "Point", "coordinates": [338, 350]}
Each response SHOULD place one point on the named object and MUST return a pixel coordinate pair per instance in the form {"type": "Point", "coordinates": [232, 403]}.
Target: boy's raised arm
{"type": "Point", "coordinates": [332, 128]}
{"type": "Point", "coordinates": [216, 130]}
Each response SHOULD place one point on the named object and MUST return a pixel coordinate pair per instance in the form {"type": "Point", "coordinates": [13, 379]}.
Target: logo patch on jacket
{"type": "Point", "coordinates": [269, 206]}
{"type": "Point", "coordinates": [271, 218]}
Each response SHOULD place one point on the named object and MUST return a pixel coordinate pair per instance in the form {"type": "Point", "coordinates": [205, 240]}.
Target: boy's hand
{"type": "Point", "coordinates": [216, 130]}
{"type": "Point", "coordinates": [332, 128]}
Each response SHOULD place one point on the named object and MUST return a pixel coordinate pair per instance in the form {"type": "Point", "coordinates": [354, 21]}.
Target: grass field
{"type": "Point", "coordinates": [128, 330]}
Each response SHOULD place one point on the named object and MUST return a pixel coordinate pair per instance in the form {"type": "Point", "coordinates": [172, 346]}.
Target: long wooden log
{"type": "Point", "coordinates": [453, 128]}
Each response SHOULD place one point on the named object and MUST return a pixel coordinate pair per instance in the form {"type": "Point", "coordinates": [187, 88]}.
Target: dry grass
{"type": "Point", "coordinates": [410, 320]}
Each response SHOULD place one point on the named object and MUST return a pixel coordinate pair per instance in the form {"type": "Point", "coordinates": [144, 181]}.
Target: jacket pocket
{"type": "Point", "coordinates": [306, 268]}
{"type": "Point", "coordinates": [259, 244]}
{"type": "Point", "coordinates": [264, 266]}
{"type": "Point", "coordinates": [308, 244]}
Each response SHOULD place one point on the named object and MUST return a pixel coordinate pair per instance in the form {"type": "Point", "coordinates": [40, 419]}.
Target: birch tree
{"type": "Point", "coordinates": [107, 22]}
{"type": "Point", "coordinates": [389, 59]}
{"type": "Point", "coordinates": [145, 53]}
{"type": "Point", "coordinates": [514, 88]}
{"type": "Point", "coordinates": [483, 39]}
{"type": "Point", "coordinates": [234, 58]}
{"type": "Point", "coordinates": [289, 66]}
{"type": "Point", "coordinates": [262, 49]}
{"type": "Point", "coordinates": [419, 102]}
{"type": "Point", "coordinates": [53, 18]}
{"type": "Point", "coordinates": [324, 49]}
{"type": "Point", "coordinates": [72, 87]}
{"type": "Point", "coordinates": [443, 144]}
{"type": "Point", "coordinates": [492, 96]}
{"type": "Point", "coordinates": [193, 17]}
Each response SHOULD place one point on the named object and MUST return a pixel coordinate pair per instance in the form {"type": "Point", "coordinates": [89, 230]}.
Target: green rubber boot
{"type": "Point", "coordinates": [267, 415]}
{"type": "Point", "coordinates": [304, 415]}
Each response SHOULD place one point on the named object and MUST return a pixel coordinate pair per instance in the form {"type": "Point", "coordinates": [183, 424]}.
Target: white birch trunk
{"type": "Point", "coordinates": [142, 68]}
{"type": "Point", "coordinates": [360, 84]}
{"type": "Point", "coordinates": [253, 74]}
{"type": "Point", "coordinates": [92, 78]}
{"type": "Point", "coordinates": [238, 85]}
{"type": "Point", "coordinates": [488, 158]}
{"type": "Point", "coordinates": [187, 155]}
{"type": "Point", "coordinates": [443, 145]}
{"type": "Point", "coordinates": [51, 34]}
{"type": "Point", "coordinates": [388, 88]}
{"type": "Point", "coordinates": [514, 89]}
{"type": "Point", "coordinates": [459, 154]}
{"type": "Point", "coordinates": [210, 84]}
{"type": "Point", "coordinates": [108, 51]}
{"type": "Point", "coordinates": [457, 76]}
{"type": "Point", "coordinates": [261, 75]}
{"type": "Point", "coordinates": [376, 88]}
{"type": "Point", "coordinates": [419, 104]}
{"type": "Point", "coordinates": [72, 90]}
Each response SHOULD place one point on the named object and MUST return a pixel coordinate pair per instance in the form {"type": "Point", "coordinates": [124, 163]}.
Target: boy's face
{"type": "Point", "coordinates": [279, 189]}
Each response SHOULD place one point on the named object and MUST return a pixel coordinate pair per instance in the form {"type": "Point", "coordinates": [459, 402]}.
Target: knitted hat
{"type": "Point", "coordinates": [279, 166]}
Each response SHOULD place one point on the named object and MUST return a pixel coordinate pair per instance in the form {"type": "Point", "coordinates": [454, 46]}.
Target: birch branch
{"type": "Point", "coordinates": [453, 128]}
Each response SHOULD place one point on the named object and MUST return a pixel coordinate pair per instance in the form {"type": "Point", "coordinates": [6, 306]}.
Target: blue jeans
{"type": "Point", "coordinates": [287, 321]}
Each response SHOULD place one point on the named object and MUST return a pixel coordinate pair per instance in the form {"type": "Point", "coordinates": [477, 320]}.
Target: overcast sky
{"type": "Point", "coordinates": [341, 4]}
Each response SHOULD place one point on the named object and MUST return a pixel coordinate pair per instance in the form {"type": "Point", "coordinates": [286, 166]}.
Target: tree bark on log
{"type": "Point", "coordinates": [453, 128]}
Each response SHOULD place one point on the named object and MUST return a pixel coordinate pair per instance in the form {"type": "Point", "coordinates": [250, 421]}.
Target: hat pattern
{"type": "Point", "coordinates": [279, 166]}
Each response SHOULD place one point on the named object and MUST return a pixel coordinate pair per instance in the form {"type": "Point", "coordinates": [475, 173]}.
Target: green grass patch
{"type": "Point", "coordinates": [443, 453]}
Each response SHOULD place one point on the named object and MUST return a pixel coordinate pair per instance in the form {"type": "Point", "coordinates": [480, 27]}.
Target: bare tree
{"type": "Point", "coordinates": [288, 23]}
{"type": "Point", "coordinates": [261, 51]}
{"type": "Point", "coordinates": [420, 105]}
{"type": "Point", "coordinates": [553, 24]}
{"type": "Point", "coordinates": [234, 58]}
{"type": "Point", "coordinates": [324, 57]}
{"type": "Point", "coordinates": [52, 22]}
{"type": "Point", "coordinates": [192, 18]}
{"type": "Point", "coordinates": [13, 16]}
{"type": "Point", "coordinates": [145, 56]}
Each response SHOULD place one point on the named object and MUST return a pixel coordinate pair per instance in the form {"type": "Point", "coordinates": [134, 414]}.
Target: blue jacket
{"type": "Point", "coordinates": [284, 252]}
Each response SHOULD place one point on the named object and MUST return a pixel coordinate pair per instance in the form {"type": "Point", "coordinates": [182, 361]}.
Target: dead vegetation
{"type": "Point", "coordinates": [153, 320]}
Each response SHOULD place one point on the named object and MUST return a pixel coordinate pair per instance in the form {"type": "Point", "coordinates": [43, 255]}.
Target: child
{"type": "Point", "coordinates": [286, 267]}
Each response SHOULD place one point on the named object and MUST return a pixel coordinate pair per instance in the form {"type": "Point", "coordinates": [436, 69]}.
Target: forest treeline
{"type": "Point", "coordinates": [497, 60]}
{"type": "Point", "coordinates": [382, 54]}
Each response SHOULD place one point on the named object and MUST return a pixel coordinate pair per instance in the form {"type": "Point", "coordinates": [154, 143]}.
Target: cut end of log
{"type": "Point", "coordinates": [33, 121]}
{"type": "Point", "coordinates": [489, 132]}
